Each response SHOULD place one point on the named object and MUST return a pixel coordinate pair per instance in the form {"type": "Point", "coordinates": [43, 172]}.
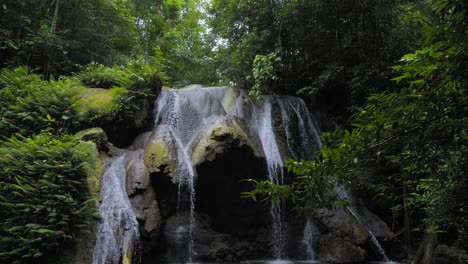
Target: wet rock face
{"type": "Point", "coordinates": [223, 135]}
{"type": "Point", "coordinates": [227, 226]}
{"type": "Point", "coordinates": [143, 200]}
{"type": "Point", "coordinates": [210, 245]}
{"type": "Point", "coordinates": [159, 155]}
{"type": "Point", "coordinates": [355, 225]}
{"type": "Point", "coordinates": [341, 223]}
{"type": "Point", "coordinates": [337, 250]}
{"type": "Point", "coordinates": [210, 141]}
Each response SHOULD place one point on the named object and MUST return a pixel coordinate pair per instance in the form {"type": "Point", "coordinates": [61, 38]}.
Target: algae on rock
{"type": "Point", "coordinates": [224, 133]}
{"type": "Point", "coordinates": [157, 156]}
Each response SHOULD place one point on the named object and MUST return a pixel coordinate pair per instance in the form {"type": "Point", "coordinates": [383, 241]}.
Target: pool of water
{"type": "Point", "coordinates": [283, 262]}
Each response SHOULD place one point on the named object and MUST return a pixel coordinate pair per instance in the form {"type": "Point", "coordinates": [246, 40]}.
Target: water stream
{"type": "Point", "coordinates": [117, 234]}
{"type": "Point", "coordinates": [187, 113]}
{"type": "Point", "coordinates": [281, 126]}
{"type": "Point", "coordinates": [343, 194]}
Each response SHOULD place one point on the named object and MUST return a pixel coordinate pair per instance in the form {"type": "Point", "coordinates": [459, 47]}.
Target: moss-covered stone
{"type": "Point", "coordinates": [96, 135]}
{"type": "Point", "coordinates": [157, 156]}
{"type": "Point", "coordinates": [224, 133]}
{"type": "Point", "coordinates": [97, 101]}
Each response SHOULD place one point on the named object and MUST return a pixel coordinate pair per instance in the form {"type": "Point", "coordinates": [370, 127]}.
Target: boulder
{"type": "Point", "coordinates": [96, 135]}
{"type": "Point", "coordinates": [157, 155]}
{"type": "Point", "coordinates": [337, 250]}
{"type": "Point", "coordinates": [146, 210]}
{"type": "Point", "coordinates": [142, 195]}
{"type": "Point", "coordinates": [208, 245]}
{"type": "Point", "coordinates": [137, 178]}
{"type": "Point", "coordinates": [357, 225]}
{"type": "Point", "coordinates": [341, 223]}
{"type": "Point", "coordinates": [224, 134]}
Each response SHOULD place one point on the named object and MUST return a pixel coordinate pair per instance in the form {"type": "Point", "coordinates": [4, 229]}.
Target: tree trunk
{"type": "Point", "coordinates": [425, 253]}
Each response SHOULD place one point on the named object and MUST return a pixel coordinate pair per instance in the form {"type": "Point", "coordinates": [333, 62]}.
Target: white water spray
{"type": "Point", "coordinates": [117, 234]}
{"type": "Point", "coordinates": [187, 113]}
{"type": "Point", "coordinates": [343, 194]}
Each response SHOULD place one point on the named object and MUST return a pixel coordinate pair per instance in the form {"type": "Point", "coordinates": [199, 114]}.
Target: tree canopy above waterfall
{"type": "Point", "coordinates": [386, 80]}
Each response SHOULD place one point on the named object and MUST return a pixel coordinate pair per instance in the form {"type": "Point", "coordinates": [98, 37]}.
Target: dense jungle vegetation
{"type": "Point", "coordinates": [387, 77]}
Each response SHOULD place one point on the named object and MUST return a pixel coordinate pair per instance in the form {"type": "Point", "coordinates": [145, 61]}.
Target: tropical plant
{"type": "Point", "coordinates": [43, 194]}
{"type": "Point", "coordinates": [408, 147]}
{"type": "Point", "coordinates": [30, 105]}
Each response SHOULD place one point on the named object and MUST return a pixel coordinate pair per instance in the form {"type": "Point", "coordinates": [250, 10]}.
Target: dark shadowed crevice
{"type": "Point", "coordinates": [219, 186]}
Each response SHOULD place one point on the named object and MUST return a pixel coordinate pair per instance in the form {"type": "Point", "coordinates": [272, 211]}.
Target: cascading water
{"type": "Point", "coordinates": [187, 113]}
{"type": "Point", "coordinates": [309, 237]}
{"type": "Point", "coordinates": [280, 127]}
{"type": "Point", "coordinates": [302, 147]}
{"type": "Point", "coordinates": [117, 234]}
{"type": "Point", "coordinates": [275, 171]}
{"type": "Point", "coordinates": [343, 194]}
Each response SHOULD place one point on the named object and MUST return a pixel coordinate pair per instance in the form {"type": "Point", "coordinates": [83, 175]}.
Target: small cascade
{"type": "Point", "coordinates": [188, 113]}
{"type": "Point", "coordinates": [343, 194]}
{"type": "Point", "coordinates": [302, 146]}
{"type": "Point", "coordinates": [275, 172]}
{"type": "Point", "coordinates": [305, 140]}
{"type": "Point", "coordinates": [117, 233]}
{"type": "Point", "coordinates": [309, 238]}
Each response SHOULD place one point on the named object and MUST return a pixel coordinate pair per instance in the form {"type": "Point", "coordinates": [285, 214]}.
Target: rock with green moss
{"type": "Point", "coordinates": [96, 135]}
{"type": "Point", "coordinates": [96, 102]}
{"type": "Point", "coordinates": [224, 134]}
{"type": "Point", "coordinates": [157, 155]}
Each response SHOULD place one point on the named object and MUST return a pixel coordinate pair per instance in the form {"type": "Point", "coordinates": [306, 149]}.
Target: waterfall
{"type": "Point", "coordinates": [309, 238]}
{"type": "Point", "coordinates": [302, 147]}
{"type": "Point", "coordinates": [187, 113]}
{"type": "Point", "coordinates": [343, 194]}
{"type": "Point", "coordinates": [117, 233]}
{"type": "Point", "coordinates": [279, 127]}
{"type": "Point", "coordinates": [275, 171]}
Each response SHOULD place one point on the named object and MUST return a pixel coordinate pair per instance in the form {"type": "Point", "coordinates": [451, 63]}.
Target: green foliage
{"type": "Point", "coordinates": [174, 37]}
{"type": "Point", "coordinates": [98, 75]}
{"type": "Point", "coordinates": [132, 86]}
{"type": "Point", "coordinates": [309, 191]}
{"type": "Point", "coordinates": [43, 194]}
{"type": "Point", "coordinates": [54, 36]}
{"type": "Point", "coordinates": [264, 70]}
{"type": "Point", "coordinates": [408, 146]}
{"type": "Point", "coordinates": [341, 48]}
{"type": "Point", "coordinates": [29, 105]}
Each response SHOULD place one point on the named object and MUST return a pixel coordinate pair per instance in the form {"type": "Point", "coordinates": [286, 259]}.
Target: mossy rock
{"type": "Point", "coordinates": [223, 134]}
{"type": "Point", "coordinates": [96, 135]}
{"type": "Point", "coordinates": [157, 155]}
{"type": "Point", "coordinates": [98, 101]}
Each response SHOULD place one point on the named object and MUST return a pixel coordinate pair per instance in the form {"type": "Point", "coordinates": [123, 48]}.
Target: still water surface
{"type": "Point", "coordinates": [284, 262]}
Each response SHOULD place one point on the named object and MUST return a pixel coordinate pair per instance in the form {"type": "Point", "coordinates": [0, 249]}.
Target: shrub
{"type": "Point", "coordinates": [43, 194]}
{"type": "Point", "coordinates": [98, 75]}
{"type": "Point", "coordinates": [29, 105]}
{"type": "Point", "coordinates": [122, 111]}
